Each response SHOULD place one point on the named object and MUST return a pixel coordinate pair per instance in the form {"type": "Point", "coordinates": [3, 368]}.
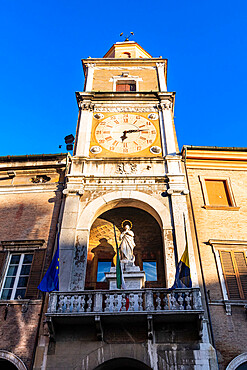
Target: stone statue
{"type": "Point", "coordinates": [127, 244]}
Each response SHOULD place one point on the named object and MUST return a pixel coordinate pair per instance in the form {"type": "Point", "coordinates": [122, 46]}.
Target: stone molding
{"type": "Point", "coordinates": [67, 192]}
{"type": "Point", "coordinates": [237, 361]}
{"type": "Point", "coordinates": [31, 188]}
{"type": "Point", "coordinates": [86, 105]}
{"type": "Point", "coordinates": [125, 68]}
{"type": "Point", "coordinates": [166, 104]}
{"type": "Point", "coordinates": [13, 359]}
{"type": "Point", "coordinates": [90, 65]}
{"type": "Point", "coordinates": [160, 65]}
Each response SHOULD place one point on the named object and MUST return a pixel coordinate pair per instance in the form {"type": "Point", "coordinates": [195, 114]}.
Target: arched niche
{"type": "Point", "coordinates": [10, 361]}
{"type": "Point", "coordinates": [148, 252]}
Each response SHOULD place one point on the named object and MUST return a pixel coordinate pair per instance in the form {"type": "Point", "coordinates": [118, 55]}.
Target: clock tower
{"type": "Point", "coordinates": [126, 167]}
{"type": "Point", "coordinates": [126, 153]}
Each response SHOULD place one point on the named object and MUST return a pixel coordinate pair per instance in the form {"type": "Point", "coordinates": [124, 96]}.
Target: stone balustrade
{"type": "Point", "coordinates": [156, 300]}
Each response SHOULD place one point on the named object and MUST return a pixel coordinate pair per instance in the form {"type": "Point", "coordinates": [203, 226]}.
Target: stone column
{"type": "Point", "coordinates": [85, 127]}
{"type": "Point", "coordinates": [67, 239]}
{"type": "Point", "coordinates": [161, 76]}
{"type": "Point", "coordinates": [89, 78]}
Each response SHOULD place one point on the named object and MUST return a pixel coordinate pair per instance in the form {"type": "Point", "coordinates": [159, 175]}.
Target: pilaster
{"type": "Point", "coordinates": [166, 107]}
{"type": "Point", "coordinates": [89, 76]}
{"type": "Point", "coordinates": [161, 76]}
{"type": "Point", "coordinates": [85, 126]}
{"type": "Point", "coordinates": [67, 239]}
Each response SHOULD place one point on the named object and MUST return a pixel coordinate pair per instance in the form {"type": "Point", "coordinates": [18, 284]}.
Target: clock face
{"type": "Point", "coordinates": [125, 133]}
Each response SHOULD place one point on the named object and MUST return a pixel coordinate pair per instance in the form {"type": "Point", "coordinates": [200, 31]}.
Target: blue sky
{"type": "Point", "coordinates": [42, 43]}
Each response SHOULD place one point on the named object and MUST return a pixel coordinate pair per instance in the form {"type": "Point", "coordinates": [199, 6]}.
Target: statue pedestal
{"type": "Point", "coordinates": [134, 278]}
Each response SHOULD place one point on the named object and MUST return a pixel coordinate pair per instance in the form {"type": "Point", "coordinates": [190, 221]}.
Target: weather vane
{"type": "Point", "coordinates": [127, 37]}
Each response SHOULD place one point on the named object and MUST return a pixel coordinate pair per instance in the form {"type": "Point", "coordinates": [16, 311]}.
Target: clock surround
{"type": "Point", "coordinates": [125, 134]}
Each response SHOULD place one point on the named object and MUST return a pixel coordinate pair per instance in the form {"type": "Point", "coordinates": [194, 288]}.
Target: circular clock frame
{"type": "Point", "coordinates": [125, 133]}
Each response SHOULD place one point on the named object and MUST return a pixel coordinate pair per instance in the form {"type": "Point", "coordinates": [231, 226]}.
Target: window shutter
{"type": "Point", "coordinates": [126, 87]}
{"type": "Point", "coordinates": [122, 87]}
{"type": "Point", "coordinates": [3, 256]}
{"type": "Point", "coordinates": [242, 271]}
{"type": "Point", "coordinates": [230, 275]}
{"type": "Point", "coordinates": [218, 192]}
{"type": "Point", "coordinates": [35, 274]}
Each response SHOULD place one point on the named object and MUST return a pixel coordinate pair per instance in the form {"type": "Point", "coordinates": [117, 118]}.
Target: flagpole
{"type": "Point", "coordinates": [118, 264]}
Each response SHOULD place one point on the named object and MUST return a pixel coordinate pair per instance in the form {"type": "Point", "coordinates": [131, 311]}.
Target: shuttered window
{"type": "Point", "coordinates": [218, 193]}
{"type": "Point", "coordinates": [23, 274]}
{"type": "Point", "coordinates": [235, 273]}
{"type": "Point", "coordinates": [126, 86]}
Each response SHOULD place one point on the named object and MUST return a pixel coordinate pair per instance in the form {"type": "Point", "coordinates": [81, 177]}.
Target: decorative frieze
{"type": "Point", "coordinates": [125, 108]}
{"type": "Point", "coordinates": [126, 168]}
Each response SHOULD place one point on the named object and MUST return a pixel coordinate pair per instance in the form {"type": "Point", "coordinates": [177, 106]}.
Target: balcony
{"type": "Point", "coordinates": [107, 306]}
{"type": "Point", "coordinates": [105, 302]}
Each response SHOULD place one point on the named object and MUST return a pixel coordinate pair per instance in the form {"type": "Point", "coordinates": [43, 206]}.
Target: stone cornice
{"type": "Point", "coordinates": [159, 100]}
{"type": "Point", "coordinates": [216, 158]}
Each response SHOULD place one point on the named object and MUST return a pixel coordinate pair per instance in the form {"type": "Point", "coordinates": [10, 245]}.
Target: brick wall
{"type": "Point", "coordinates": [229, 331]}
{"type": "Point", "coordinates": [18, 330]}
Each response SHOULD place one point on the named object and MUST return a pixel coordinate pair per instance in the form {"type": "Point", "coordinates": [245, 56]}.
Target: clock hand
{"type": "Point", "coordinates": [130, 131]}
{"type": "Point", "coordinates": [123, 137]}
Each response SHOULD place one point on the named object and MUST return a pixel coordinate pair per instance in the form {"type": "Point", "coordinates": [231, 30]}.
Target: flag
{"type": "Point", "coordinates": [182, 276]}
{"type": "Point", "coordinates": [50, 281]}
{"type": "Point", "coordinates": [119, 273]}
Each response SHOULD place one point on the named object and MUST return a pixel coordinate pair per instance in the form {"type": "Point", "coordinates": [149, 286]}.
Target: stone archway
{"type": "Point", "coordinates": [12, 359]}
{"type": "Point", "coordinates": [125, 198]}
{"type": "Point", "coordinates": [123, 363]}
{"type": "Point", "coordinates": [109, 354]}
{"type": "Point", "coordinates": [236, 363]}
{"type": "Point", "coordinates": [73, 267]}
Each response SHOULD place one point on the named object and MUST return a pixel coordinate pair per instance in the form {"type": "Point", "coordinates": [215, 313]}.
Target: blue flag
{"type": "Point", "coordinates": [50, 281]}
{"type": "Point", "coordinates": [182, 277]}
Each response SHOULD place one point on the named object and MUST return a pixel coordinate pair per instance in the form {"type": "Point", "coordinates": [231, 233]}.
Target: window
{"type": "Point", "coordinates": [231, 263]}
{"type": "Point", "coordinates": [125, 82]}
{"type": "Point", "coordinates": [126, 86]}
{"type": "Point", "coordinates": [103, 266]}
{"type": "Point", "coordinates": [16, 279]}
{"type": "Point", "coordinates": [235, 273]}
{"type": "Point", "coordinates": [21, 269]}
{"type": "Point", "coordinates": [217, 193]}
{"type": "Point", "coordinates": [150, 269]}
